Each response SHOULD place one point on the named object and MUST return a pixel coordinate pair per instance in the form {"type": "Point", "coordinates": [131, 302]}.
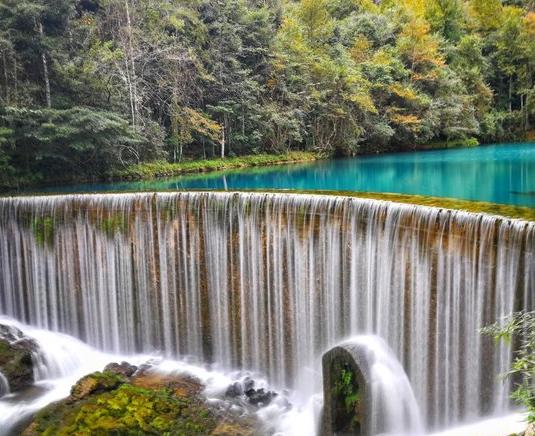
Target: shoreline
{"type": "Point", "coordinates": [162, 169]}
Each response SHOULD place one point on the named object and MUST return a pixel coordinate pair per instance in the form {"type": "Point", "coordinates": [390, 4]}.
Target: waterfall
{"type": "Point", "coordinates": [269, 281]}
{"type": "Point", "coordinates": [394, 409]}
{"type": "Point", "coordinates": [4, 385]}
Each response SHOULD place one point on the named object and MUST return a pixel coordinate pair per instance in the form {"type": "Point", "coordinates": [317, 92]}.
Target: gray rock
{"type": "Point", "coordinates": [16, 358]}
{"type": "Point", "coordinates": [123, 368]}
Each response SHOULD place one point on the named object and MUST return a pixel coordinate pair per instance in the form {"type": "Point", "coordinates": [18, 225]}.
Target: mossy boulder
{"type": "Point", "coordinates": [126, 410]}
{"type": "Point", "coordinates": [182, 386]}
{"type": "Point", "coordinates": [16, 362]}
{"type": "Point", "coordinates": [95, 383]}
{"type": "Point", "coordinates": [229, 428]}
{"type": "Point", "coordinates": [146, 402]}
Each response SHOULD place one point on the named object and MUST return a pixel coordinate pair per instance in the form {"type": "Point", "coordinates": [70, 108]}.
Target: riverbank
{"type": "Point", "coordinates": [160, 169]}
{"type": "Point", "coordinates": [151, 170]}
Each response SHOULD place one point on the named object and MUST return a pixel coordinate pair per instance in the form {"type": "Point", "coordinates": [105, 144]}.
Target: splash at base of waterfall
{"type": "Point", "coordinates": [67, 359]}
{"type": "Point", "coordinates": [499, 426]}
{"type": "Point", "coordinates": [63, 360]}
{"type": "Point", "coordinates": [393, 405]}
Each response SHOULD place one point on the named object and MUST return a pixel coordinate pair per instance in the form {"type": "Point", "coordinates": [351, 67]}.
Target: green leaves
{"type": "Point", "coordinates": [132, 81]}
{"type": "Point", "coordinates": [80, 140]}
{"type": "Point", "coordinates": [521, 328]}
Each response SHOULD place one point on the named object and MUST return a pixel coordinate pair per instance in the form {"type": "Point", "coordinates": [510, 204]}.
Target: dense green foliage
{"type": "Point", "coordinates": [520, 327]}
{"type": "Point", "coordinates": [91, 86]}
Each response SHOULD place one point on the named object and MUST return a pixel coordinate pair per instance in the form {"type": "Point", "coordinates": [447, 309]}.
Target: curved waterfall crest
{"type": "Point", "coordinates": [269, 281]}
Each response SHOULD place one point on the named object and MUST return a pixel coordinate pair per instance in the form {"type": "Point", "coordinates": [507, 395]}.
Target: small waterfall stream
{"type": "Point", "coordinates": [268, 282]}
{"type": "Point", "coordinates": [394, 407]}
{"type": "Point", "coordinates": [4, 385]}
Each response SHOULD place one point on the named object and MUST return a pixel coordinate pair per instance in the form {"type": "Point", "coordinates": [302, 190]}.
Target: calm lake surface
{"type": "Point", "coordinates": [501, 173]}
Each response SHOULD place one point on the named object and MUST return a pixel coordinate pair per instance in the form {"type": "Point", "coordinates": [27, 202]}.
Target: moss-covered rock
{"type": "Point", "coordinates": [147, 402]}
{"type": "Point", "coordinates": [16, 363]}
{"type": "Point", "coordinates": [228, 428]}
{"type": "Point", "coordinates": [123, 368]}
{"type": "Point", "coordinates": [126, 410]}
{"type": "Point", "coordinates": [95, 383]}
{"type": "Point", "coordinates": [181, 386]}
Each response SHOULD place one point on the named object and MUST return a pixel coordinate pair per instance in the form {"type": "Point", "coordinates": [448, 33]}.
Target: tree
{"type": "Point", "coordinates": [73, 141]}
{"type": "Point", "coordinates": [446, 17]}
{"type": "Point", "coordinates": [33, 32]}
{"type": "Point", "coordinates": [203, 78]}
{"type": "Point", "coordinates": [519, 327]}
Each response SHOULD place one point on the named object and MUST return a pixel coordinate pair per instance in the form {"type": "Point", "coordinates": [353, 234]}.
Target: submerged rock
{"type": "Point", "coordinates": [123, 368]}
{"type": "Point", "coordinates": [248, 384]}
{"type": "Point", "coordinates": [16, 361]}
{"type": "Point", "coordinates": [260, 397]}
{"type": "Point", "coordinates": [245, 389]}
{"type": "Point", "coordinates": [234, 390]}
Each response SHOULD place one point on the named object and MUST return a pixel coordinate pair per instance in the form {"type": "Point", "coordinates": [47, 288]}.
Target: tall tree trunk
{"type": "Point", "coordinates": [223, 142]}
{"type": "Point", "coordinates": [526, 110]}
{"type": "Point", "coordinates": [15, 78]}
{"type": "Point", "coordinates": [130, 94]}
{"type": "Point", "coordinates": [45, 70]}
{"type": "Point", "coordinates": [522, 112]}
{"type": "Point", "coordinates": [526, 104]}
{"type": "Point", "coordinates": [6, 77]}
{"type": "Point", "coordinates": [131, 68]}
{"type": "Point", "coordinates": [510, 93]}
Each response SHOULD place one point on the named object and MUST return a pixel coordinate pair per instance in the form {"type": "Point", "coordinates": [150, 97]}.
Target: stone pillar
{"type": "Point", "coordinates": [346, 392]}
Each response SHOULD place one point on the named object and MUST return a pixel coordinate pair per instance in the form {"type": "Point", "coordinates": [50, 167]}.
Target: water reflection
{"type": "Point", "coordinates": [503, 173]}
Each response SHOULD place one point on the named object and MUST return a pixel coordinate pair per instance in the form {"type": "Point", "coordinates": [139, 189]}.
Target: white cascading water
{"type": "Point", "coordinates": [62, 360]}
{"type": "Point", "coordinates": [4, 385]}
{"type": "Point", "coordinates": [394, 407]}
{"type": "Point", "coordinates": [269, 281]}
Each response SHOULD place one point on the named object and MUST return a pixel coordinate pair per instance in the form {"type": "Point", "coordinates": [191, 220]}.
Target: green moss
{"type": "Point", "coordinates": [43, 230]}
{"type": "Point", "coordinates": [96, 382]}
{"type": "Point", "coordinates": [510, 211]}
{"type": "Point", "coordinates": [166, 169]}
{"type": "Point", "coordinates": [346, 388]}
{"type": "Point", "coordinates": [114, 223]}
{"type": "Point", "coordinates": [125, 410]}
{"type": "Point", "coordinates": [505, 210]}
{"type": "Point", "coordinates": [346, 399]}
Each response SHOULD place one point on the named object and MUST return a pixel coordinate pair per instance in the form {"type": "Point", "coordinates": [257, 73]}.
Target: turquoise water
{"type": "Point", "coordinates": [502, 173]}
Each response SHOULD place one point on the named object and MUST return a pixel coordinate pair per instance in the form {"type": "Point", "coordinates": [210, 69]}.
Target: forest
{"type": "Point", "coordinates": [89, 87]}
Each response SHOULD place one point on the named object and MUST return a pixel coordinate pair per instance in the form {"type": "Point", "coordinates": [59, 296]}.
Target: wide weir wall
{"type": "Point", "coordinates": [270, 281]}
